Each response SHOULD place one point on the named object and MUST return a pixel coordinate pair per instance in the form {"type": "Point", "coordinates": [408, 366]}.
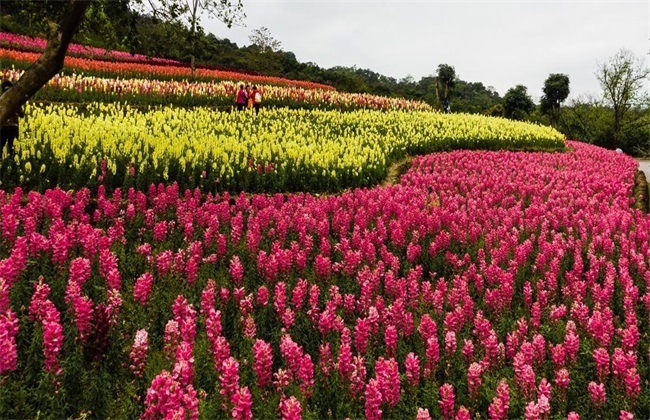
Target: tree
{"type": "Point", "coordinates": [70, 15]}
{"type": "Point", "coordinates": [556, 90]}
{"type": "Point", "coordinates": [517, 104]}
{"type": "Point", "coordinates": [49, 63]}
{"type": "Point", "coordinates": [446, 80]}
{"type": "Point", "coordinates": [263, 39]}
{"type": "Point", "coordinates": [621, 78]}
{"type": "Point", "coordinates": [191, 11]}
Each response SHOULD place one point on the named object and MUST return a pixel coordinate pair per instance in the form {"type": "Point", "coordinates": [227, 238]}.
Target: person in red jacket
{"type": "Point", "coordinates": [242, 98]}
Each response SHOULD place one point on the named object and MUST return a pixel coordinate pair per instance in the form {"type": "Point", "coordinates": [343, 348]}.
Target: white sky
{"type": "Point", "coordinates": [498, 43]}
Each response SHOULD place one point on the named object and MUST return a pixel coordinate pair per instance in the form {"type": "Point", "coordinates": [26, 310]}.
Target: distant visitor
{"type": "Point", "coordinates": [249, 97]}
{"type": "Point", "coordinates": [242, 98]}
{"type": "Point", "coordinates": [257, 99]}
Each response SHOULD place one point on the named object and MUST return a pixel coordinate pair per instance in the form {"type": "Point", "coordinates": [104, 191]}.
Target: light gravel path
{"type": "Point", "coordinates": [644, 165]}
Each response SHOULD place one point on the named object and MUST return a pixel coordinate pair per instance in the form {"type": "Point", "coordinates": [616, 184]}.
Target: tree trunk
{"type": "Point", "coordinates": [437, 93]}
{"type": "Point", "coordinates": [48, 64]}
{"type": "Point", "coordinates": [193, 35]}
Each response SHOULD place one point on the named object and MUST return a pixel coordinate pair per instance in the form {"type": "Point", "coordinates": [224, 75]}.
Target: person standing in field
{"type": "Point", "coordinates": [249, 96]}
{"type": "Point", "coordinates": [257, 99]}
{"type": "Point", "coordinates": [242, 98]}
{"type": "Point", "coordinates": [9, 130]}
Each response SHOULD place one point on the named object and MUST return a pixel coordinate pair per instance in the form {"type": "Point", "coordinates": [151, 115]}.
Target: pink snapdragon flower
{"type": "Point", "coordinates": [52, 337]}
{"type": "Point", "coordinates": [263, 364]}
{"type": "Point", "coordinates": [390, 338]}
{"type": "Point", "coordinates": [601, 358]}
{"type": "Point", "coordinates": [412, 365]}
{"type": "Point", "coordinates": [447, 401]}
{"type": "Point", "coordinates": [373, 400]}
{"type": "Point", "coordinates": [142, 288]}
{"type": "Point", "coordinates": [498, 409]}
{"type": "Point", "coordinates": [138, 353]}
{"type": "Point", "coordinates": [474, 378]}
{"type": "Point", "coordinates": [562, 379]}
{"type": "Point", "coordinates": [229, 378]}
{"type": "Point", "coordinates": [290, 409]}
{"type": "Point", "coordinates": [387, 374]}
{"type": "Point", "coordinates": [242, 402]}
{"type": "Point", "coordinates": [432, 356]}
{"type": "Point", "coordinates": [597, 392]}
{"type": "Point", "coordinates": [423, 414]}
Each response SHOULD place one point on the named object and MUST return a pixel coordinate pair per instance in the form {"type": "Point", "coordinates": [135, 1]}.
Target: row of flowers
{"type": "Point", "coordinates": [37, 44]}
{"type": "Point", "coordinates": [492, 284]}
{"type": "Point", "coordinates": [84, 89]}
{"type": "Point", "coordinates": [22, 59]}
{"type": "Point", "coordinates": [278, 150]}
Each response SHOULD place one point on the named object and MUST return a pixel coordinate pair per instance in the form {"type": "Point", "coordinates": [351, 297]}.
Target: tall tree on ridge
{"type": "Point", "coordinates": [621, 78]}
{"type": "Point", "coordinates": [517, 104]}
{"type": "Point", "coordinates": [556, 90]}
{"type": "Point", "coordinates": [230, 12]}
{"type": "Point", "coordinates": [263, 39]}
{"type": "Point", "coordinates": [445, 80]}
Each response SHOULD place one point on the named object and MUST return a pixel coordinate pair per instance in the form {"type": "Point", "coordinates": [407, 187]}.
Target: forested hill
{"type": "Point", "coordinates": [121, 28]}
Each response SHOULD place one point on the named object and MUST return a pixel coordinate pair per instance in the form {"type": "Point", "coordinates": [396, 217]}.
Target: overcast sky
{"type": "Point", "coordinates": [498, 43]}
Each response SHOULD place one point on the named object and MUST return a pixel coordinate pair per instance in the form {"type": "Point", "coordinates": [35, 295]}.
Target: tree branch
{"type": "Point", "coordinates": [48, 64]}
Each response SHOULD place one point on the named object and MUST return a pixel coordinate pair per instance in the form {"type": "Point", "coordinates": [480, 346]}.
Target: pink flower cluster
{"type": "Point", "coordinates": [38, 44]}
{"type": "Point", "coordinates": [531, 284]}
{"type": "Point", "coordinates": [9, 325]}
{"type": "Point", "coordinates": [43, 310]}
{"type": "Point", "coordinates": [139, 353]}
{"type": "Point", "coordinates": [172, 394]}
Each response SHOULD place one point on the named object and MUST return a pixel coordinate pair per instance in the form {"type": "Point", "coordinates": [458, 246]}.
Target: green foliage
{"type": "Point", "coordinates": [517, 104]}
{"type": "Point", "coordinates": [556, 90]}
{"type": "Point", "coordinates": [120, 27]}
{"type": "Point", "coordinates": [590, 121]}
{"type": "Point", "coordinates": [445, 81]}
{"type": "Point", "coordinates": [475, 98]}
{"type": "Point", "coordinates": [109, 24]}
{"type": "Point", "coordinates": [621, 78]}
{"type": "Point", "coordinates": [495, 111]}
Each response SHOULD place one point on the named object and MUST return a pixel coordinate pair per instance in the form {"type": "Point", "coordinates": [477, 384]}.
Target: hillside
{"type": "Point", "coordinates": [122, 29]}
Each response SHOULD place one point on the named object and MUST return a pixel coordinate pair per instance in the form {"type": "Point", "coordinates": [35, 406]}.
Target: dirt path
{"type": "Point", "coordinates": [396, 170]}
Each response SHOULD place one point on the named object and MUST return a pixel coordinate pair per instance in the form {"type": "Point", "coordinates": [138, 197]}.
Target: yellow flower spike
{"type": "Point", "coordinates": [311, 142]}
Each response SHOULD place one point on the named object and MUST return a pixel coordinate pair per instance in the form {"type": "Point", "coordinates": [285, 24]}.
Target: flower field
{"type": "Point", "coordinates": [494, 283]}
{"type": "Point", "coordinates": [279, 150]}
{"type": "Point", "coordinates": [507, 275]}
{"type": "Point", "coordinates": [35, 44]}
{"type": "Point", "coordinates": [116, 69]}
{"type": "Point", "coordinates": [145, 92]}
